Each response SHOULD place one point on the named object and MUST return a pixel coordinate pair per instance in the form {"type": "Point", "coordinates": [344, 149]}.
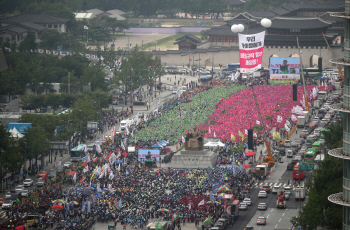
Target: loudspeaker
{"type": "Point", "coordinates": [250, 139]}
{"type": "Point", "coordinates": [295, 92]}
{"type": "Point", "coordinates": [320, 64]}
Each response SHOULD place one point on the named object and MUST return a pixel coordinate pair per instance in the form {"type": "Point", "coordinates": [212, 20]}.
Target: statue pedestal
{"type": "Point", "coordinates": [193, 159]}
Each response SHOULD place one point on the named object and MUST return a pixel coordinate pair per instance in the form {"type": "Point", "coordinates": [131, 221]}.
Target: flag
{"type": "Point", "coordinates": [55, 52]}
{"type": "Point", "coordinates": [212, 198]}
{"type": "Point", "coordinates": [207, 221]}
{"type": "Point", "coordinates": [241, 134]}
{"type": "Point", "coordinates": [279, 118]}
{"type": "Point", "coordinates": [176, 216]}
{"type": "Point", "coordinates": [41, 51]}
{"type": "Point", "coordinates": [245, 145]}
{"type": "Point", "coordinates": [233, 138]}
{"type": "Point", "coordinates": [209, 131]}
{"type": "Point", "coordinates": [97, 194]}
{"type": "Point", "coordinates": [127, 172]}
{"type": "Point", "coordinates": [278, 136]}
{"type": "Point", "coordinates": [120, 203]}
{"type": "Point", "coordinates": [183, 139]}
{"type": "Point", "coordinates": [82, 179]}
{"type": "Point", "coordinates": [189, 206]}
{"type": "Point", "coordinates": [85, 162]}
{"type": "Point", "coordinates": [86, 28]}
{"type": "Point", "coordinates": [257, 122]}
{"type": "Point", "coordinates": [201, 203]}
{"type": "Point", "coordinates": [18, 201]}
{"type": "Point", "coordinates": [214, 134]}
{"type": "Point", "coordinates": [75, 178]}
{"type": "Point", "coordinates": [48, 52]}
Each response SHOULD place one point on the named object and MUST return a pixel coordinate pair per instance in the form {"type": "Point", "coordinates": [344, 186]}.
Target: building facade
{"type": "Point", "coordinates": [343, 198]}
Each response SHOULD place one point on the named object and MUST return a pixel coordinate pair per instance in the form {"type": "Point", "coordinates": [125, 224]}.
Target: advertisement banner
{"type": "Point", "coordinates": [251, 51]}
{"type": "Point", "coordinates": [149, 155]}
{"type": "Point", "coordinates": [285, 68]}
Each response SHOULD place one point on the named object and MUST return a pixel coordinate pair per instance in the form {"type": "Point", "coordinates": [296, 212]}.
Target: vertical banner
{"type": "Point", "coordinates": [251, 51]}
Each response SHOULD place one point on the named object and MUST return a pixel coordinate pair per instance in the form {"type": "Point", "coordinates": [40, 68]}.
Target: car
{"type": "Point", "coordinates": [7, 204]}
{"type": "Point", "coordinates": [220, 225]}
{"type": "Point", "coordinates": [67, 165]}
{"type": "Point", "coordinates": [261, 220]}
{"type": "Point", "coordinates": [19, 188]}
{"type": "Point", "coordinates": [304, 133]}
{"type": "Point", "coordinates": [262, 194]}
{"type": "Point", "coordinates": [298, 158]}
{"type": "Point", "coordinates": [183, 71]}
{"type": "Point", "coordinates": [291, 165]}
{"type": "Point", "coordinates": [9, 194]}
{"type": "Point", "coordinates": [25, 193]}
{"type": "Point", "coordinates": [290, 153]}
{"type": "Point", "coordinates": [28, 182]}
{"type": "Point", "coordinates": [275, 189]}
{"type": "Point", "coordinates": [42, 173]}
{"type": "Point", "coordinates": [323, 124]}
{"type": "Point", "coordinates": [248, 201]}
{"type": "Point", "coordinates": [262, 206]}
{"type": "Point", "coordinates": [41, 182]}
{"type": "Point", "coordinates": [243, 206]}
{"type": "Point", "coordinates": [282, 150]}
{"type": "Point", "coordinates": [265, 188]}
{"type": "Point", "coordinates": [1, 201]}
{"type": "Point", "coordinates": [317, 133]}
{"type": "Point", "coordinates": [223, 220]}
{"type": "Point", "coordinates": [287, 192]}
{"type": "Point", "coordinates": [249, 228]}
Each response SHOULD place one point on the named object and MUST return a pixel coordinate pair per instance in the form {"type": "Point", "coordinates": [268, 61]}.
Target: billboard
{"type": "Point", "coordinates": [285, 68]}
{"type": "Point", "coordinates": [149, 154]}
{"type": "Point", "coordinates": [21, 127]}
{"type": "Point", "coordinates": [251, 51]}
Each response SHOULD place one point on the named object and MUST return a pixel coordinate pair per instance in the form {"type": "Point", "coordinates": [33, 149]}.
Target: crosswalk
{"type": "Point", "coordinates": [260, 184]}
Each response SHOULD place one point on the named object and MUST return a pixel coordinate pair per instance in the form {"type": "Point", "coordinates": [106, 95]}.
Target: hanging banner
{"type": "Point", "coordinates": [251, 51]}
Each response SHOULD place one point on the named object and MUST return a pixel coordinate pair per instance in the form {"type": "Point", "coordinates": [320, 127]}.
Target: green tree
{"type": "Point", "coordinates": [28, 44]}
{"type": "Point", "coordinates": [327, 180]}
{"type": "Point", "coordinates": [37, 142]}
{"type": "Point", "coordinates": [50, 38]}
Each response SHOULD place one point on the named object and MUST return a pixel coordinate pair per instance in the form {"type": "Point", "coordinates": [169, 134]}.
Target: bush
{"type": "Point", "coordinates": [257, 128]}
{"type": "Point", "coordinates": [268, 117]}
{"type": "Point", "coordinates": [139, 103]}
{"type": "Point", "coordinates": [277, 109]}
{"type": "Point", "coordinates": [282, 104]}
{"type": "Point", "coordinates": [203, 131]}
{"type": "Point", "coordinates": [212, 122]}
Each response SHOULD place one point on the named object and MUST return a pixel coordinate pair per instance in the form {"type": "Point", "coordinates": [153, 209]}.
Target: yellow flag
{"type": "Point", "coordinates": [233, 138]}
{"type": "Point", "coordinates": [278, 136]}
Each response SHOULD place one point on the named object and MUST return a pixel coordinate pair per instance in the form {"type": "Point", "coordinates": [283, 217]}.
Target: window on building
{"type": "Point", "coordinates": [13, 37]}
{"type": "Point", "coordinates": [54, 26]}
{"type": "Point", "coordinates": [226, 39]}
{"type": "Point", "coordinates": [219, 38]}
{"type": "Point", "coordinates": [50, 26]}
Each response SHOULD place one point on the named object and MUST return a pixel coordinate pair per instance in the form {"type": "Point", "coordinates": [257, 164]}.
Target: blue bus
{"type": "Point", "coordinates": [78, 152]}
{"type": "Point", "coordinates": [203, 80]}
{"type": "Point", "coordinates": [233, 66]}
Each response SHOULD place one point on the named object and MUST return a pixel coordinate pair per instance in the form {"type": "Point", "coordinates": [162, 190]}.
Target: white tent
{"type": "Point", "coordinates": [214, 144]}
{"type": "Point", "coordinates": [14, 133]}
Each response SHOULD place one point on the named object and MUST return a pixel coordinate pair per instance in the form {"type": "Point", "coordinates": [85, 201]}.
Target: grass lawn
{"type": "Point", "coordinates": [166, 43]}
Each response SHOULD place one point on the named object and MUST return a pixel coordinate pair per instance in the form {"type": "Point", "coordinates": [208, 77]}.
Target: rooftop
{"type": "Point", "coordinates": [38, 18]}
{"type": "Point", "coordinates": [298, 23]}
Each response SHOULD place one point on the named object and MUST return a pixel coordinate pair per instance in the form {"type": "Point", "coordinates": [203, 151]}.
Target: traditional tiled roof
{"type": "Point", "coordinates": [189, 37]}
{"type": "Point", "coordinates": [173, 51]}
{"type": "Point", "coordinates": [298, 23]}
{"type": "Point", "coordinates": [31, 25]}
{"type": "Point", "coordinates": [262, 14]}
{"type": "Point", "coordinates": [280, 10]}
{"type": "Point", "coordinates": [226, 30]}
{"type": "Point", "coordinates": [328, 18]}
{"type": "Point", "coordinates": [13, 29]}
{"type": "Point", "coordinates": [288, 38]}
{"type": "Point", "coordinates": [39, 18]}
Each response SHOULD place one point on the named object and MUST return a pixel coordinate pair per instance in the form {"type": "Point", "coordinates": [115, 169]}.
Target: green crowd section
{"type": "Point", "coordinates": [173, 123]}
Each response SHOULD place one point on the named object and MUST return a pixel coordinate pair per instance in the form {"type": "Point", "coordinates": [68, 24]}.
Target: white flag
{"type": "Point", "coordinates": [201, 203]}
{"type": "Point", "coordinates": [257, 122]}
{"type": "Point", "coordinates": [86, 28]}
{"type": "Point", "coordinates": [87, 55]}
{"type": "Point", "coordinates": [279, 118]}
{"type": "Point", "coordinates": [55, 52]}
{"type": "Point", "coordinates": [41, 51]}
{"type": "Point", "coordinates": [86, 169]}
{"type": "Point", "coordinates": [183, 139]}
{"type": "Point", "coordinates": [246, 132]}
{"type": "Point", "coordinates": [294, 118]}
{"type": "Point", "coordinates": [48, 52]}
{"type": "Point", "coordinates": [209, 131]}
{"type": "Point", "coordinates": [75, 177]}
{"type": "Point", "coordinates": [286, 127]}
{"type": "Point", "coordinates": [214, 134]}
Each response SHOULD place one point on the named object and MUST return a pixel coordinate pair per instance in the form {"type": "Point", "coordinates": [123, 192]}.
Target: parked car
{"type": "Point", "coordinates": [28, 182]}
{"type": "Point", "coordinates": [7, 204]}
{"type": "Point", "coordinates": [19, 188]}
{"type": "Point", "coordinates": [243, 206]}
{"type": "Point", "coordinates": [42, 173]}
{"type": "Point", "coordinates": [262, 194]}
{"type": "Point", "coordinates": [262, 206]}
{"type": "Point", "coordinates": [248, 201]}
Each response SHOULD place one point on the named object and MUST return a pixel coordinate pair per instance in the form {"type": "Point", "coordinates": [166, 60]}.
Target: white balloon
{"type": "Point", "coordinates": [234, 28]}
{"type": "Point", "coordinates": [265, 22]}
{"type": "Point", "coordinates": [240, 27]}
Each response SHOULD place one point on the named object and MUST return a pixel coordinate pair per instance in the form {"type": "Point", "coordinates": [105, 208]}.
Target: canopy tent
{"type": "Point", "coordinates": [214, 144]}
{"type": "Point", "coordinates": [160, 144]}
{"type": "Point", "coordinates": [14, 133]}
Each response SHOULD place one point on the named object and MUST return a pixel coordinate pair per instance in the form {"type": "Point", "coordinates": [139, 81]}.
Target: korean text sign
{"type": "Point", "coordinates": [251, 51]}
{"type": "Point", "coordinates": [285, 68]}
{"type": "Point", "coordinates": [144, 152]}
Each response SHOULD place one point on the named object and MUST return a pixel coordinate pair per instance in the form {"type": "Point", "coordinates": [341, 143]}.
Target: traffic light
{"type": "Point", "coordinates": [250, 139]}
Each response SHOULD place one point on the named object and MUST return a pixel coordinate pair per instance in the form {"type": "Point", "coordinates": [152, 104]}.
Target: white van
{"type": "Point", "coordinates": [290, 153]}
{"type": "Point", "coordinates": [288, 143]}
{"type": "Point", "coordinates": [122, 125]}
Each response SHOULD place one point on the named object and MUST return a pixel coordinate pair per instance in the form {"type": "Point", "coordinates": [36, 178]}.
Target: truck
{"type": "Point", "coordinates": [281, 200]}
{"type": "Point", "coordinates": [262, 170]}
{"type": "Point", "coordinates": [307, 116]}
{"type": "Point", "coordinates": [317, 104]}
{"type": "Point", "coordinates": [300, 121]}
{"type": "Point", "coordinates": [300, 192]}
{"type": "Point", "coordinates": [232, 208]}
{"type": "Point", "coordinates": [322, 95]}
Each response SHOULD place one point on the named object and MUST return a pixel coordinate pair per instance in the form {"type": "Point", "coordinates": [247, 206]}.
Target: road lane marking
{"type": "Point", "coordinates": [271, 210]}
{"type": "Point", "coordinates": [276, 226]}
{"type": "Point", "coordinates": [267, 216]}
{"type": "Point", "coordinates": [279, 220]}
{"type": "Point", "coordinates": [283, 214]}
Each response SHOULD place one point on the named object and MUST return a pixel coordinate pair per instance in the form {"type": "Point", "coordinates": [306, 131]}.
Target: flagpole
{"type": "Point", "coordinates": [302, 75]}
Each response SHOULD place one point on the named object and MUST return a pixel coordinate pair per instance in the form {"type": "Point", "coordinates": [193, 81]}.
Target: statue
{"type": "Point", "coordinates": [194, 141]}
